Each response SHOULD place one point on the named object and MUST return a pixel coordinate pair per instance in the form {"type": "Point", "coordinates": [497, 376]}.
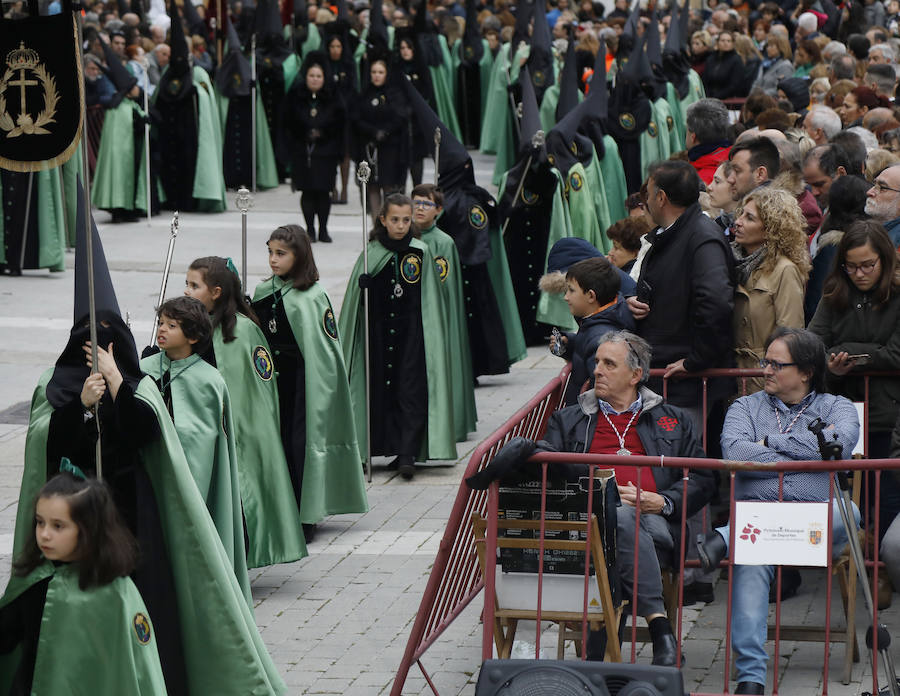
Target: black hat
{"type": "Point", "coordinates": [176, 82]}
{"type": "Point", "coordinates": [684, 23]}
{"type": "Point", "coordinates": [192, 18]}
{"type": "Point", "coordinates": [540, 57]}
{"type": "Point", "coordinates": [595, 107]}
{"type": "Point", "coordinates": [629, 33]}
{"type": "Point", "coordinates": [568, 82]}
{"type": "Point", "coordinates": [233, 75]}
{"type": "Point", "coordinates": [530, 123]}
{"type": "Point", "coordinates": [654, 57]}
{"type": "Point", "coordinates": [472, 46]}
{"type": "Point", "coordinates": [71, 370]}
{"type": "Point", "coordinates": [674, 61]}
{"type": "Point", "coordinates": [524, 12]}
{"type": "Point", "coordinates": [269, 30]}
{"type": "Point", "coordinates": [118, 73]}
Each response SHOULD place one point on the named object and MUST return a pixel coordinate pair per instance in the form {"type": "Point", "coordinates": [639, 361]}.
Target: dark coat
{"type": "Point", "coordinates": [861, 328]}
{"type": "Point", "coordinates": [663, 430]}
{"type": "Point", "coordinates": [314, 126]}
{"type": "Point", "coordinates": [380, 123]}
{"type": "Point", "coordinates": [581, 348]}
{"type": "Point", "coordinates": [690, 270]}
{"type": "Point", "coordinates": [724, 76]}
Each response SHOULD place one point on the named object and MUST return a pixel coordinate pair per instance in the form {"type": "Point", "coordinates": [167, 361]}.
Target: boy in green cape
{"type": "Point", "coordinates": [198, 402]}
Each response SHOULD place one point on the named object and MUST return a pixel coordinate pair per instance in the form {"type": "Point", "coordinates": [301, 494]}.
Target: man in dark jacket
{"type": "Point", "coordinates": [685, 293]}
{"type": "Point", "coordinates": [620, 416]}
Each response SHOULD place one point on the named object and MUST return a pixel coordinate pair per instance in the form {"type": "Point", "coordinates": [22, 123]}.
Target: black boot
{"type": "Point", "coordinates": [665, 648]}
{"type": "Point", "coordinates": [698, 592]}
{"type": "Point", "coordinates": [406, 465]}
{"type": "Point", "coordinates": [323, 236]}
{"type": "Point", "coordinates": [711, 549]}
{"type": "Point", "coordinates": [790, 583]}
{"type": "Point", "coordinates": [750, 688]}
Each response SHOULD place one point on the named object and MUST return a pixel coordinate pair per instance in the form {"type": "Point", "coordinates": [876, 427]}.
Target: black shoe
{"type": "Point", "coordinates": [312, 236]}
{"type": "Point", "coordinates": [309, 533]}
{"type": "Point", "coordinates": [750, 688]}
{"type": "Point", "coordinates": [790, 583]}
{"type": "Point", "coordinates": [406, 466]}
{"type": "Point", "coordinates": [701, 592]}
{"type": "Point", "coordinates": [711, 549]}
{"type": "Point", "coordinates": [323, 237]}
{"type": "Point", "coordinates": [665, 650]}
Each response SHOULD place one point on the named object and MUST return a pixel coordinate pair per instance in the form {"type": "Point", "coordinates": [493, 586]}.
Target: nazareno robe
{"type": "Point", "coordinates": [320, 442]}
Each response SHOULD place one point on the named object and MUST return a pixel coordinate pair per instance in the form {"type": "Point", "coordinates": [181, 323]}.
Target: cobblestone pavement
{"type": "Point", "coordinates": [337, 622]}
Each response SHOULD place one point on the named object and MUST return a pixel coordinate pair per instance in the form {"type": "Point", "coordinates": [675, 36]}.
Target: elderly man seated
{"type": "Point", "coordinates": [621, 416]}
{"type": "Point", "coordinates": [771, 426]}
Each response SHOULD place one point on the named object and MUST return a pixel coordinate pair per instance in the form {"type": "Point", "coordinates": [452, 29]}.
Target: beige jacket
{"type": "Point", "coordinates": [767, 301]}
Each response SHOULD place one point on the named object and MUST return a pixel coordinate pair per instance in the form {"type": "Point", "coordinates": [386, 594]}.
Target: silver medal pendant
{"type": "Point", "coordinates": [622, 452]}
{"type": "Point", "coordinates": [273, 325]}
{"type": "Point", "coordinates": [398, 291]}
{"type": "Point", "coordinates": [313, 112]}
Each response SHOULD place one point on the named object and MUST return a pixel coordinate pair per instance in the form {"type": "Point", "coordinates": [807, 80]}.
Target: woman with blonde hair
{"type": "Point", "coordinates": [701, 45]}
{"type": "Point", "coordinates": [776, 65]}
{"type": "Point", "coordinates": [749, 53]}
{"type": "Point", "coordinates": [772, 264]}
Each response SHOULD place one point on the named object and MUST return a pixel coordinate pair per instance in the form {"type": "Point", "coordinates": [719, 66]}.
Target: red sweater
{"type": "Point", "coordinates": [707, 164]}
{"type": "Point", "coordinates": [605, 441]}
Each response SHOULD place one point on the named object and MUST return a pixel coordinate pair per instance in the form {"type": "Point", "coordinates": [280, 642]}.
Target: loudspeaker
{"type": "Point", "coordinates": [576, 678]}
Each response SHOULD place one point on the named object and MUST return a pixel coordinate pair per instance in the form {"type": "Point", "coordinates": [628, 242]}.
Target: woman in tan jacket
{"type": "Point", "coordinates": [772, 264]}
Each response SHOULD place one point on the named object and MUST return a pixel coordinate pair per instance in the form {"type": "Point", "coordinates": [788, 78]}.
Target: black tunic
{"type": "Point", "coordinates": [237, 148]}
{"type": "Point", "coordinates": [177, 139]}
{"type": "Point", "coordinates": [15, 228]}
{"type": "Point", "coordinates": [397, 378]}
{"type": "Point", "coordinates": [314, 126]}
{"type": "Point", "coordinates": [20, 626]}
{"type": "Point", "coordinates": [380, 127]}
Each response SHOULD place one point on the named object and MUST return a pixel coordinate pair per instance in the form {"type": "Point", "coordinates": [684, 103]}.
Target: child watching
{"type": "Point", "coordinates": [428, 204]}
{"type": "Point", "coordinates": [626, 238]}
{"type": "Point", "coordinates": [197, 399]}
{"type": "Point", "coordinates": [593, 296]}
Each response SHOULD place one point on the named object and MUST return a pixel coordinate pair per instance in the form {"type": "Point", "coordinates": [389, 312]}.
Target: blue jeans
{"type": "Point", "coordinates": [750, 606]}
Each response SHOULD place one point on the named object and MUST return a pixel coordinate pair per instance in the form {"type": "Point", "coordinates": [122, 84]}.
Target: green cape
{"type": "Point", "coordinates": [266, 172]}
{"type": "Point", "coordinates": [485, 66]}
{"type": "Point", "coordinates": [223, 650]}
{"type": "Point", "coordinates": [613, 175]}
{"type": "Point", "coordinates": [290, 67]}
{"type": "Point", "coordinates": [332, 471]}
{"type": "Point", "coordinates": [51, 222]}
{"type": "Point", "coordinates": [446, 257]}
{"type": "Point", "coordinates": [439, 441]}
{"type": "Point", "coordinates": [582, 212]}
{"type": "Point", "coordinates": [696, 92]}
{"type": "Point", "coordinates": [594, 178]}
{"type": "Point", "coordinates": [273, 521]}
{"type": "Point", "coordinates": [202, 415]}
{"type": "Point", "coordinates": [501, 281]}
{"type": "Point", "coordinates": [96, 641]}
{"type": "Point", "coordinates": [443, 80]}
{"type": "Point", "coordinates": [114, 184]}
{"type": "Point", "coordinates": [654, 140]}
{"type": "Point", "coordinates": [676, 109]}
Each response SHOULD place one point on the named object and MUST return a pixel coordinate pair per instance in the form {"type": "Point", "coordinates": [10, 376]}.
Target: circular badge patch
{"type": "Point", "coordinates": [627, 121]}
{"type": "Point", "coordinates": [477, 217]}
{"type": "Point", "coordinates": [262, 363]}
{"type": "Point", "coordinates": [174, 86]}
{"type": "Point", "coordinates": [329, 324]}
{"type": "Point", "coordinates": [468, 53]}
{"type": "Point", "coordinates": [652, 129]}
{"type": "Point", "coordinates": [411, 268]}
{"type": "Point", "coordinates": [539, 78]}
{"type": "Point", "coordinates": [141, 626]}
{"type": "Point", "coordinates": [670, 122]}
{"type": "Point", "coordinates": [443, 267]}
{"type": "Point", "coordinates": [573, 146]}
{"type": "Point", "coordinates": [575, 181]}
{"type": "Point", "coordinates": [529, 198]}
{"type": "Point", "coordinates": [552, 160]}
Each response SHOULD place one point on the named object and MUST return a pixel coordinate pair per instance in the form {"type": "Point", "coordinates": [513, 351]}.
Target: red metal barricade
{"type": "Point", "coordinates": [456, 579]}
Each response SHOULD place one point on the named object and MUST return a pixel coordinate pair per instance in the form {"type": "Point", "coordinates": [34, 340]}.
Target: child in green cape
{"type": "Point", "coordinates": [70, 592]}
{"type": "Point", "coordinates": [319, 440]}
{"type": "Point", "coordinates": [243, 357]}
{"type": "Point", "coordinates": [198, 402]}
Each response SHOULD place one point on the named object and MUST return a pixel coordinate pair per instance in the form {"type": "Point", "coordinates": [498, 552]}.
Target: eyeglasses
{"type": "Point", "coordinates": [866, 267]}
{"type": "Point", "coordinates": [423, 204]}
{"type": "Point", "coordinates": [774, 364]}
{"type": "Point", "coordinates": [882, 187]}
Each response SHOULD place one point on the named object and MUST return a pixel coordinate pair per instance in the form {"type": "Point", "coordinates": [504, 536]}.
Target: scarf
{"type": "Point", "coordinates": [745, 264]}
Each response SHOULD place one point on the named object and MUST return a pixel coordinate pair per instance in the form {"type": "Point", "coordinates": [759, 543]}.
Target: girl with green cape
{"type": "Point", "coordinates": [71, 620]}
{"type": "Point", "coordinates": [241, 353]}
{"type": "Point", "coordinates": [319, 440]}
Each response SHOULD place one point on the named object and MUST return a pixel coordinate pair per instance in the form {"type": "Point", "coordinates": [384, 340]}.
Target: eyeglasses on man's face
{"type": "Point", "coordinates": [774, 364]}
{"type": "Point", "coordinates": [882, 187]}
{"type": "Point", "coordinates": [866, 267]}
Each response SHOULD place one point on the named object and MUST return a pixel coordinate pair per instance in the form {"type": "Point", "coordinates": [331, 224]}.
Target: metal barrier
{"type": "Point", "coordinates": [455, 578]}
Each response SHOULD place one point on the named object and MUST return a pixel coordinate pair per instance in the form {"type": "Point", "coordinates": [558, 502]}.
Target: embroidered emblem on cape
{"type": "Point", "coordinates": [627, 121]}
{"type": "Point", "coordinates": [529, 198]}
{"type": "Point", "coordinates": [142, 629]}
{"type": "Point", "coordinates": [329, 324]}
{"type": "Point", "coordinates": [468, 53]}
{"type": "Point", "coordinates": [539, 78]}
{"type": "Point", "coordinates": [573, 146]}
{"type": "Point", "coordinates": [670, 123]}
{"type": "Point", "coordinates": [552, 160]}
{"type": "Point", "coordinates": [174, 86]}
{"type": "Point", "coordinates": [262, 363]}
{"type": "Point", "coordinates": [575, 181]}
{"type": "Point", "coordinates": [652, 129]}
{"type": "Point", "coordinates": [443, 267]}
{"type": "Point", "coordinates": [667, 423]}
{"type": "Point", "coordinates": [18, 63]}
{"type": "Point", "coordinates": [411, 268]}
{"type": "Point", "coordinates": [477, 217]}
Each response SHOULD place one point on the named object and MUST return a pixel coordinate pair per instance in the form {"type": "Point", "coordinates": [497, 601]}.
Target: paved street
{"type": "Point", "coordinates": [337, 622]}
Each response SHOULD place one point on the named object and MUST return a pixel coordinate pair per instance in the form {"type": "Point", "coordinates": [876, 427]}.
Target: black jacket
{"type": "Point", "coordinates": [663, 430]}
{"type": "Point", "coordinates": [724, 75]}
{"type": "Point", "coordinates": [690, 270]}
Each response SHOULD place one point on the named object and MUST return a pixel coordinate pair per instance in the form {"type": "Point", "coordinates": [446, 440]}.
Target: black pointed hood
{"type": "Point", "coordinates": [295, 13]}
{"type": "Point", "coordinates": [426, 37]}
{"type": "Point", "coordinates": [377, 35]}
{"type": "Point", "coordinates": [654, 57]}
{"type": "Point", "coordinates": [675, 64]}
{"type": "Point", "coordinates": [568, 83]}
{"type": "Point", "coordinates": [472, 45]}
{"type": "Point", "coordinates": [234, 74]}
{"type": "Point", "coordinates": [118, 74]}
{"type": "Point", "coordinates": [524, 13]}
{"type": "Point", "coordinates": [342, 12]}
{"type": "Point", "coordinates": [566, 146]}
{"type": "Point", "coordinates": [540, 57]}
{"type": "Point", "coordinates": [531, 115]}
{"type": "Point", "coordinates": [684, 24]}
{"type": "Point", "coordinates": [629, 33]}
{"type": "Point", "coordinates": [176, 83]}
{"type": "Point", "coordinates": [593, 111]}
{"type": "Point", "coordinates": [70, 372]}
{"type": "Point", "coordinates": [270, 41]}
{"type": "Point", "coordinates": [454, 156]}
{"type": "Point", "coordinates": [195, 25]}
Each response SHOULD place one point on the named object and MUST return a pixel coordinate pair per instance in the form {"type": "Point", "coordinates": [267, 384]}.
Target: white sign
{"type": "Point", "coordinates": [791, 533]}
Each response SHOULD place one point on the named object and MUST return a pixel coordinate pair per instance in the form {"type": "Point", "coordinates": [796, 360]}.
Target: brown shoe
{"type": "Point", "coordinates": [885, 591]}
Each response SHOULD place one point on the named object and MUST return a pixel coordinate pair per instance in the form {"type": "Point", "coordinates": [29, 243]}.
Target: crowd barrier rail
{"type": "Point", "coordinates": [456, 577]}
